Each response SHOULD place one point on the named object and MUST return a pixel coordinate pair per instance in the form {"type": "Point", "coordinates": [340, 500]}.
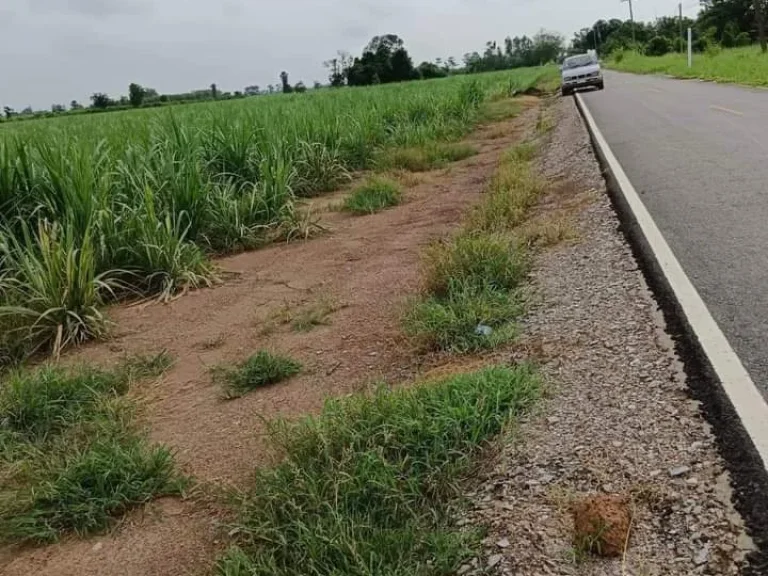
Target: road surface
{"type": "Point", "coordinates": [697, 153]}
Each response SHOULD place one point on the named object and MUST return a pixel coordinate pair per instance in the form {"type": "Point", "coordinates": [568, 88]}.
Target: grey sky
{"type": "Point", "coordinates": [57, 50]}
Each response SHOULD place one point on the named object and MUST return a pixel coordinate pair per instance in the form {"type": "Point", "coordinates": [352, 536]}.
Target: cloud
{"type": "Point", "coordinates": [93, 8]}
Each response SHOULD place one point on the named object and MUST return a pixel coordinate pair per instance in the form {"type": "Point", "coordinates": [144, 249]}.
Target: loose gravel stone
{"type": "Point", "coordinates": [617, 414]}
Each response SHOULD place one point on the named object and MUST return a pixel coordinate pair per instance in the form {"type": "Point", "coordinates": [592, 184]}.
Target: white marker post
{"type": "Point", "coordinates": [690, 49]}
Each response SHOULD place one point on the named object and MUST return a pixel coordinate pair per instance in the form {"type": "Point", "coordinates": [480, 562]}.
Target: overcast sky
{"type": "Point", "coordinates": [59, 50]}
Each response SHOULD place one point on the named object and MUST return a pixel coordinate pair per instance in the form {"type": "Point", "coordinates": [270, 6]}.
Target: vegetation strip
{"type": "Point", "coordinates": [472, 283]}
{"type": "Point", "coordinates": [374, 195]}
{"type": "Point", "coordinates": [71, 454]}
{"type": "Point", "coordinates": [98, 208]}
{"type": "Point", "coordinates": [366, 487]}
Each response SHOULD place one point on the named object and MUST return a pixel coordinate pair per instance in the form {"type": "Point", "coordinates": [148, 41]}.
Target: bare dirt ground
{"type": "Point", "coordinates": [364, 266]}
{"type": "Point", "coordinates": [619, 420]}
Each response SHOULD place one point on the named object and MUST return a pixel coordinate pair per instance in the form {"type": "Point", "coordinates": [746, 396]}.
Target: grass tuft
{"type": "Point", "coordinates": [367, 486]}
{"type": "Point", "coordinates": [71, 455]}
{"type": "Point", "coordinates": [261, 369]}
{"type": "Point", "coordinates": [468, 319]}
{"type": "Point", "coordinates": [424, 158]}
{"type": "Point", "coordinates": [374, 195]}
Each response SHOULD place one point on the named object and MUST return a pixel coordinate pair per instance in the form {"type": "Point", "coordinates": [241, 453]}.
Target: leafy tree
{"type": "Point", "coordinates": [75, 105]}
{"type": "Point", "coordinates": [287, 89]}
{"type": "Point", "coordinates": [317, 85]}
{"type": "Point", "coordinates": [101, 101]}
{"type": "Point", "coordinates": [384, 60]}
{"type": "Point", "coordinates": [300, 88]}
{"type": "Point", "coordinates": [402, 66]}
{"type": "Point", "coordinates": [27, 111]}
{"type": "Point", "coordinates": [271, 89]}
{"type": "Point", "coordinates": [214, 91]}
{"type": "Point", "coordinates": [58, 108]}
{"type": "Point", "coordinates": [9, 112]}
{"type": "Point", "coordinates": [429, 70]}
{"type": "Point", "coordinates": [136, 95]}
{"type": "Point", "coordinates": [658, 46]}
{"type": "Point", "coordinates": [252, 90]}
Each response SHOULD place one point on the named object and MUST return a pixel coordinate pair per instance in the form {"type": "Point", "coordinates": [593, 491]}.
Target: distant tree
{"type": "Point", "coordinates": [101, 101]}
{"type": "Point", "coordinates": [384, 60]}
{"type": "Point", "coordinates": [317, 85]}
{"type": "Point", "coordinates": [429, 70]}
{"type": "Point", "coordinates": [287, 89]}
{"type": "Point", "coordinates": [75, 105]}
{"type": "Point", "coordinates": [136, 95]}
{"type": "Point", "coordinates": [58, 108]}
{"type": "Point", "coordinates": [658, 46]}
{"type": "Point", "coordinates": [214, 91]}
{"type": "Point", "coordinates": [338, 68]}
{"type": "Point", "coordinates": [163, 98]}
{"type": "Point", "coordinates": [300, 88]}
{"type": "Point", "coordinates": [271, 89]}
{"type": "Point", "coordinates": [252, 90]}
{"type": "Point", "coordinates": [402, 66]}
{"type": "Point", "coordinates": [238, 94]}
{"type": "Point", "coordinates": [8, 111]}
{"type": "Point", "coordinates": [27, 111]}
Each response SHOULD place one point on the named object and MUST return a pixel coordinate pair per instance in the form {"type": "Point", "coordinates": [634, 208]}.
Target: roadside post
{"type": "Point", "coordinates": [690, 49]}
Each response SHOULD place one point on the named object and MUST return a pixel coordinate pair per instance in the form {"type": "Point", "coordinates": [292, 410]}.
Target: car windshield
{"type": "Point", "coordinates": [580, 60]}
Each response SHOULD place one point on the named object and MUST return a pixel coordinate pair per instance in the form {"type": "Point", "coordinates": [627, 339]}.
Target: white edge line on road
{"type": "Point", "coordinates": [744, 396]}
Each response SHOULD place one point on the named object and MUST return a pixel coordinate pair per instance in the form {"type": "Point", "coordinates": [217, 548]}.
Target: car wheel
{"type": "Point", "coordinates": [601, 86]}
{"type": "Point", "coordinates": [565, 92]}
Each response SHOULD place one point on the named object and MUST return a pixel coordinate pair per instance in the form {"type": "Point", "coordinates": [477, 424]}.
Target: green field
{"type": "Point", "coordinates": [102, 207]}
{"type": "Point", "coordinates": [739, 65]}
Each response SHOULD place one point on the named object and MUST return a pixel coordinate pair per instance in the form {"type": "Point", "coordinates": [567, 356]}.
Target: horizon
{"type": "Point", "coordinates": [56, 51]}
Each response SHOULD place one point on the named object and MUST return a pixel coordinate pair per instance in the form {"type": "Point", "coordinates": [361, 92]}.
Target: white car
{"type": "Point", "coordinates": [581, 71]}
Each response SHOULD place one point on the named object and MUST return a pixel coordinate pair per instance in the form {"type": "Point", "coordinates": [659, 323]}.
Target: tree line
{"type": "Point", "coordinates": [384, 59]}
{"type": "Point", "coordinates": [721, 23]}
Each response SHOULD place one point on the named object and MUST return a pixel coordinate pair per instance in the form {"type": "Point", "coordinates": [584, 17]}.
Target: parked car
{"type": "Point", "coordinates": [581, 71]}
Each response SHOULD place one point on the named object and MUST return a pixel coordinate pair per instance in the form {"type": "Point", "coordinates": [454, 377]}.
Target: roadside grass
{"type": "Point", "coordinates": [368, 486]}
{"type": "Point", "coordinates": [303, 318]}
{"type": "Point", "coordinates": [473, 283]}
{"type": "Point", "coordinates": [261, 369]}
{"type": "Point", "coordinates": [72, 457]}
{"type": "Point", "coordinates": [745, 65]}
{"type": "Point", "coordinates": [376, 194]}
{"type": "Point", "coordinates": [425, 157]}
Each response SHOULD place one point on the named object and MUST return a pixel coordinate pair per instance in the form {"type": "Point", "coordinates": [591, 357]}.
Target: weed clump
{"type": "Point", "coordinates": [370, 481]}
{"type": "Point", "coordinates": [374, 195]}
{"type": "Point", "coordinates": [71, 455]}
{"type": "Point", "coordinates": [261, 369]}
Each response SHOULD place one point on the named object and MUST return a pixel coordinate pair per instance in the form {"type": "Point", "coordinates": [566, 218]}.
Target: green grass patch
{"type": "Point", "coordinates": [367, 486]}
{"type": "Point", "coordinates": [261, 369]}
{"type": "Point", "coordinates": [744, 65]}
{"type": "Point", "coordinates": [480, 260]}
{"type": "Point", "coordinates": [72, 457]}
{"type": "Point", "coordinates": [472, 284]}
{"type": "Point", "coordinates": [374, 195]}
{"type": "Point", "coordinates": [424, 158]}
{"type": "Point", "coordinates": [468, 318]}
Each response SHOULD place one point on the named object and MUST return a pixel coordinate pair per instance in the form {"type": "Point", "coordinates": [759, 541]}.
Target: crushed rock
{"type": "Point", "coordinates": [617, 420]}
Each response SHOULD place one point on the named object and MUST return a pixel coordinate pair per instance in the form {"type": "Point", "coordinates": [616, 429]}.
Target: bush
{"type": "Point", "coordinates": [658, 46]}
{"type": "Point", "coordinates": [743, 39]}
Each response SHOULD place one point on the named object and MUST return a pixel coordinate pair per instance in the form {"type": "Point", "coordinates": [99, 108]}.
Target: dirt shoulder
{"type": "Point", "coordinates": [619, 419]}
{"type": "Point", "coordinates": [361, 270]}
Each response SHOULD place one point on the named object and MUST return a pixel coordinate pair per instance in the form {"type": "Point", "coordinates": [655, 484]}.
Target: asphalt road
{"type": "Point", "coordinates": [697, 153]}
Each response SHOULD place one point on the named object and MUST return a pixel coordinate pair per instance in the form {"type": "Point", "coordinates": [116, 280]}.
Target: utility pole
{"type": "Point", "coordinates": [631, 19]}
{"type": "Point", "coordinates": [680, 6]}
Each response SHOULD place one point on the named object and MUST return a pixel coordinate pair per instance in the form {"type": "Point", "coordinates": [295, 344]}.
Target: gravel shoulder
{"type": "Point", "coordinates": [619, 418]}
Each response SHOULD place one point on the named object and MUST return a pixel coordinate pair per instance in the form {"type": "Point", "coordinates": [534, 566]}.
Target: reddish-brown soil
{"type": "Point", "coordinates": [367, 265]}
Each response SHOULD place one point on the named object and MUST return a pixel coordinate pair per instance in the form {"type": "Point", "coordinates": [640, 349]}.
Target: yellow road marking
{"type": "Point", "coordinates": [728, 110]}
